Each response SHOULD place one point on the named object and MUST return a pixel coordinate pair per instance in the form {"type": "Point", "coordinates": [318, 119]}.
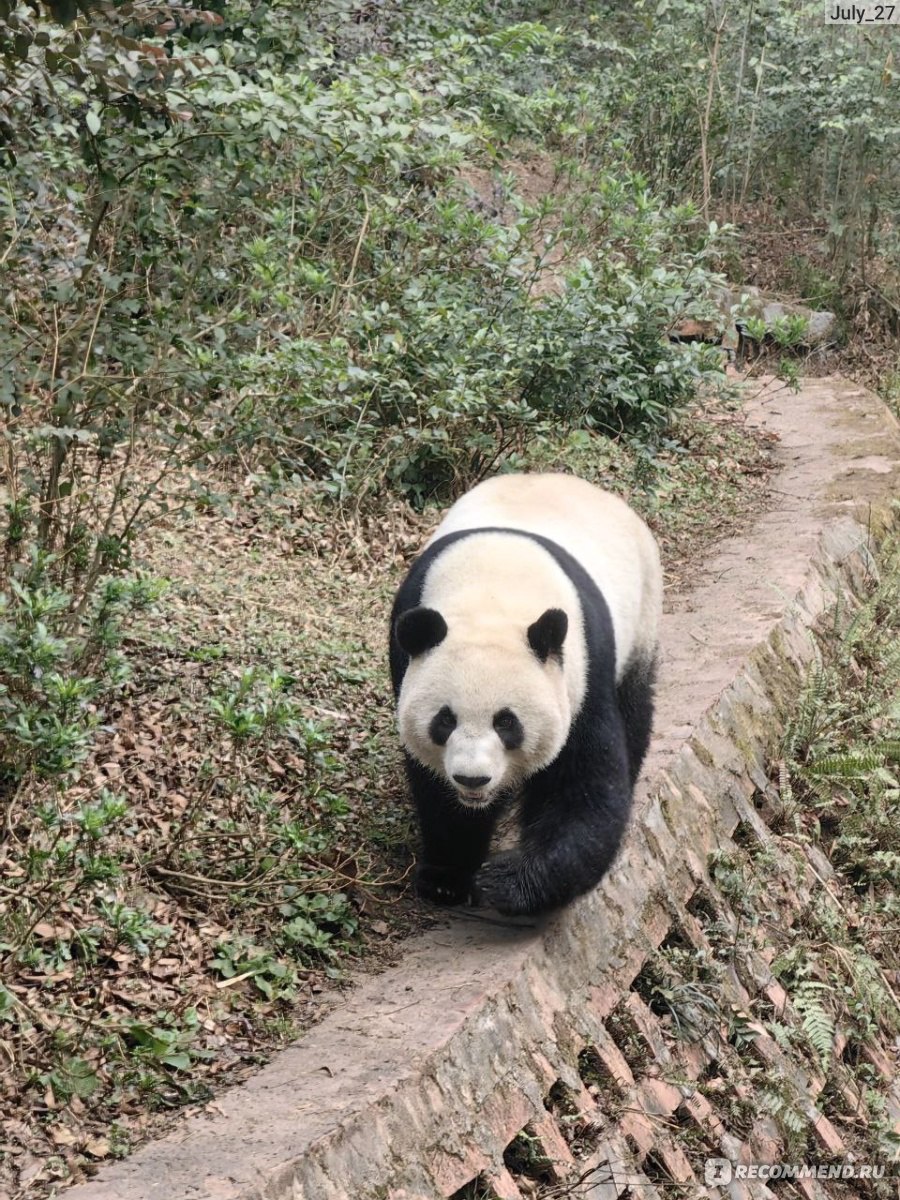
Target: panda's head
{"type": "Point", "coordinates": [483, 705]}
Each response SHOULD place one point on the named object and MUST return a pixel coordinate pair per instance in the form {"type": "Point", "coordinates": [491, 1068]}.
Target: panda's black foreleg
{"type": "Point", "coordinates": [455, 839]}
{"type": "Point", "coordinates": [635, 698]}
{"type": "Point", "coordinates": [573, 818]}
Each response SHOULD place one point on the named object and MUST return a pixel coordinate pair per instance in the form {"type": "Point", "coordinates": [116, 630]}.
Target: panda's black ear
{"type": "Point", "coordinates": [547, 634]}
{"type": "Point", "coordinates": [420, 629]}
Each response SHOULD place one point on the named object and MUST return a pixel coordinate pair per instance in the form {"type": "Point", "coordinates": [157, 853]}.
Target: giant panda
{"type": "Point", "coordinates": [523, 654]}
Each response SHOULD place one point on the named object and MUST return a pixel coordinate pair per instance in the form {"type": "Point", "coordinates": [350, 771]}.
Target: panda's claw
{"type": "Point", "coordinates": [502, 883]}
{"type": "Point", "coordinates": [442, 885]}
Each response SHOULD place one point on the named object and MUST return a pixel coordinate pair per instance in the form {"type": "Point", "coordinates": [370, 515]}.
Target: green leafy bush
{"type": "Point", "coordinates": [733, 105]}
{"type": "Point", "coordinates": [57, 661]}
{"type": "Point", "coordinates": [273, 257]}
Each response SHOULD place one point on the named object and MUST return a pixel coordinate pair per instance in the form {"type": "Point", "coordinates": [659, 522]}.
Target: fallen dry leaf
{"type": "Point", "coordinates": [97, 1147]}
{"type": "Point", "coordinates": [61, 1135]}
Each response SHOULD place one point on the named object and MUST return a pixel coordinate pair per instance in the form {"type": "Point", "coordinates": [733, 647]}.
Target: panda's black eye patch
{"type": "Point", "coordinates": [442, 725]}
{"type": "Point", "coordinates": [509, 728]}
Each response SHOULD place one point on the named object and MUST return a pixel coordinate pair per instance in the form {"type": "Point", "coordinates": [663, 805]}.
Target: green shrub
{"type": "Point", "coordinates": [57, 661]}
{"type": "Point", "coordinates": [277, 262]}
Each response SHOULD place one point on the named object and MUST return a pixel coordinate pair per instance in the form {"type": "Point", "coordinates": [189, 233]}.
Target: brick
{"type": "Point", "coordinates": [765, 1141]}
{"type": "Point", "coordinates": [655, 924]}
{"type": "Point", "coordinates": [604, 997]}
{"type": "Point", "coordinates": [659, 1097]}
{"type": "Point", "coordinates": [692, 1058]}
{"type": "Point", "coordinates": [703, 1113]}
{"type": "Point", "coordinates": [585, 1103]}
{"type": "Point", "coordinates": [545, 998]}
{"type": "Point", "coordinates": [813, 1083]}
{"type": "Point", "coordinates": [738, 1189]}
{"type": "Point", "coordinates": [699, 1108]}
{"type": "Point", "coordinates": [852, 1096]}
{"type": "Point", "coordinates": [503, 1185]}
{"type": "Point", "coordinates": [808, 1188]}
{"type": "Point", "coordinates": [698, 799]}
{"type": "Point", "coordinates": [766, 1046]}
{"type": "Point", "coordinates": [613, 1061]}
{"type": "Point", "coordinates": [693, 931]}
{"type": "Point", "coordinates": [737, 993]}
{"type": "Point", "coordinates": [505, 1113]}
{"type": "Point", "coordinates": [840, 1043]}
{"type": "Point", "coordinates": [638, 1128]}
{"type": "Point", "coordinates": [450, 1171]}
{"type": "Point", "coordinates": [628, 965]}
{"type": "Point", "coordinates": [544, 1069]}
{"type": "Point", "coordinates": [675, 1162]}
{"type": "Point", "coordinates": [554, 1145]}
{"type": "Point", "coordinates": [778, 997]}
{"type": "Point", "coordinates": [828, 1137]}
{"type": "Point", "coordinates": [649, 1028]}
{"type": "Point", "coordinates": [607, 1171]}
{"type": "Point", "coordinates": [879, 1060]}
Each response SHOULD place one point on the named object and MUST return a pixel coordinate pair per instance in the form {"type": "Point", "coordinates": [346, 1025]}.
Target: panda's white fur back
{"type": "Point", "coordinates": [598, 529]}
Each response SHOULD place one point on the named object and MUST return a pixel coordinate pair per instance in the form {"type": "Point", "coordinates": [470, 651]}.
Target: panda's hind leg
{"type": "Point", "coordinates": [455, 839]}
{"type": "Point", "coordinates": [634, 693]}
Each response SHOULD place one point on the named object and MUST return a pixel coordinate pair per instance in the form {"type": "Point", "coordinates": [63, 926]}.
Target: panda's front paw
{"type": "Point", "coordinates": [504, 883]}
{"type": "Point", "coordinates": [443, 885]}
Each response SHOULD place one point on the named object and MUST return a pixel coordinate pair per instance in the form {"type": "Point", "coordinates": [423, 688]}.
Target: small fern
{"type": "Point", "coordinates": [890, 749]}
{"type": "Point", "coordinates": [871, 997]}
{"type": "Point", "coordinates": [785, 790]}
{"type": "Point", "coordinates": [851, 764]}
{"type": "Point", "coordinates": [804, 726]}
{"type": "Point", "coordinates": [775, 1101]}
{"type": "Point", "coordinates": [884, 864]}
{"type": "Point", "coordinates": [783, 1034]}
{"type": "Point", "coordinates": [817, 1021]}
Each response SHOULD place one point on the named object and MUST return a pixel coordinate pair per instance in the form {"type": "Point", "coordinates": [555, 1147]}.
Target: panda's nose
{"type": "Point", "coordinates": [472, 781]}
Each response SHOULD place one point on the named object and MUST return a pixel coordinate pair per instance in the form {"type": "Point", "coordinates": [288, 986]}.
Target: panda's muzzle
{"type": "Point", "coordinates": [472, 783]}
{"type": "Point", "coordinates": [471, 789]}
